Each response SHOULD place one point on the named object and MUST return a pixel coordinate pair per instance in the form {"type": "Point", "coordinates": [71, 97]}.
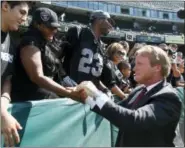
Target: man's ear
{"type": "Point", "coordinates": [158, 67]}
{"type": "Point", "coordinates": [5, 6]}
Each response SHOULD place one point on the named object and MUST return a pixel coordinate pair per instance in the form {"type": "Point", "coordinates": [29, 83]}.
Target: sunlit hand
{"type": "Point", "coordinates": [89, 88]}
{"type": "Point", "coordinates": [9, 129]}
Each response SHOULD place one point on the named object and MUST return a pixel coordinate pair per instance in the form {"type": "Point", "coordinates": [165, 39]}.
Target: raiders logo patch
{"type": "Point", "coordinates": [44, 16]}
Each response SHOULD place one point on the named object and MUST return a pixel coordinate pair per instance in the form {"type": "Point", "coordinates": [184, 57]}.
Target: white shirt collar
{"type": "Point", "coordinates": [152, 86]}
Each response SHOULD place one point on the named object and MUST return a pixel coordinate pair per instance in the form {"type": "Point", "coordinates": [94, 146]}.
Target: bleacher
{"type": "Point", "coordinates": [157, 5]}
{"type": "Point", "coordinates": [114, 32]}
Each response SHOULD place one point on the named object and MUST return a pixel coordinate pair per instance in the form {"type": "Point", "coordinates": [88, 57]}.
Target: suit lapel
{"type": "Point", "coordinates": [146, 97]}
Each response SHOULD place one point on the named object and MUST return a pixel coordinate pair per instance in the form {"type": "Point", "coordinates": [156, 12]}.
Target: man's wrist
{"type": "Point", "coordinates": [4, 112]}
{"type": "Point", "coordinates": [90, 101]}
{"type": "Point", "coordinates": [101, 100]}
{"type": "Point", "coordinates": [6, 97]}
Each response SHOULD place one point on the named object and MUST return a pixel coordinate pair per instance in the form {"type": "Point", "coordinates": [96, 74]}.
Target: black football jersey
{"type": "Point", "coordinates": [87, 59]}
{"type": "Point", "coordinates": [111, 75]}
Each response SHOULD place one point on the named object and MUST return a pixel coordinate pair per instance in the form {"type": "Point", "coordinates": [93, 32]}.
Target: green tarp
{"type": "Point", "coordinates": [60, 123]}
{"type": "Point", "coordinates": [66, 123]}
{"type": "Point", "coordinates": [180, 92]}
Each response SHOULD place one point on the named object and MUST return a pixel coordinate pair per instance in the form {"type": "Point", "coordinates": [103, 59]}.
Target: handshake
{"type": "Point", "coordinates": [83, 90]}
{"type": "Point", "coordinates": [88, 88]}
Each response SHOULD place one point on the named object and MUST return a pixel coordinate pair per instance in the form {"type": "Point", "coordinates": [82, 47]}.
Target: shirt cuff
{"type": "Point", "coordinates": [101, 100]}
{"type": "Point", "coordinates": [90, 101]}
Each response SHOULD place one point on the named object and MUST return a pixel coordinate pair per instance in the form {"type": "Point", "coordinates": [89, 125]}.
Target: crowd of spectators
{"type": "Point", "coordinates": [43, 61]}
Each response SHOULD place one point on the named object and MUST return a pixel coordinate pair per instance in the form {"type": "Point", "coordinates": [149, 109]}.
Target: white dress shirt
{"type": "Point", "coordinates": [152, 86]}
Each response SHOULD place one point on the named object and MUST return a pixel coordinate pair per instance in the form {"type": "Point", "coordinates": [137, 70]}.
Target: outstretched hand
{"type": "Point", "coordinates": [9, 130]}
{"type": "Point", "coordinates": [82, 91]}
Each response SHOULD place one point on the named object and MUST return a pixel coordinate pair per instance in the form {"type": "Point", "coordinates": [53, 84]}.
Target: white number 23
{"type": "Point", "coordinates": [86, 63]}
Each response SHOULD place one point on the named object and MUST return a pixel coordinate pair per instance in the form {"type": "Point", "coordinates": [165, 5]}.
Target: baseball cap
{"type": "Point", "coordinates": [99, 14]}
{"type": "Point", "coordinates": [46, 16]}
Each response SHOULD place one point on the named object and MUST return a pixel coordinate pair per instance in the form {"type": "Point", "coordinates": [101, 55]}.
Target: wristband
{"type": "Point", "coordinates": [6, 97]}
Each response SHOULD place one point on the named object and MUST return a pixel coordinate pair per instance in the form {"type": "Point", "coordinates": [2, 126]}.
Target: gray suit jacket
{"type": "Point", "coordinates": [151, 122]}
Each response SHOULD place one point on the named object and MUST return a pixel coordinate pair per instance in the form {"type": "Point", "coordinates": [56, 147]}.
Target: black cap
{"type": "Point", "coordinates": [46, 16]}
{"type": "Point", "coordinates": [181, 14]}
{"type": "Point", "coordinates": [99, 14]}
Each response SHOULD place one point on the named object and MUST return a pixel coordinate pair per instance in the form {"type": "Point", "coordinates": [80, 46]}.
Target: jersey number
{"type": "Point", "coordinates": [86, 61]}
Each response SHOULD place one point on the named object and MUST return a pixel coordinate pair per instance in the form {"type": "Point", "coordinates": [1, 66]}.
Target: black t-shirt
{"type": "Point", "coordinates": [111, 75]}
{"type": "Point", "coordinates": [108, 76]}
{"type": "Point", "coordinates": [133, 83]}
{"type": "Point", "coordinates": [7, 56]}
{"type": "Point", "coordinates": [169, 78]}
{"type": "Point", "coordinates": [172, 79]}
{"type": "Point", "coordinates": [175, 80]}
{"type": "Point", "coordinates": [85, 60]}
{"type": "Point", "coordinates": [23, 88]}
{"type": "Point", "coordinates": [126, 83]}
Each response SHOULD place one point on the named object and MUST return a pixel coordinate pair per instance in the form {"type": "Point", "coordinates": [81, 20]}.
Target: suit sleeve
{"type": "Point", "coordinates": [158, 113]}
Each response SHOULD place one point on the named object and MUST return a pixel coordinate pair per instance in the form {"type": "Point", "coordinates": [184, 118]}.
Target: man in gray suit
{"type": "Point", "coordinates": [150, 115]}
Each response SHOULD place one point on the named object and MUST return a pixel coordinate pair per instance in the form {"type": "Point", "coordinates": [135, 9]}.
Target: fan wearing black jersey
{"type": "Point", "coordinates": [111, 75]}
{"type": "Point", "coordinates": [13, 14]}
{"type": "Point", "coordinates": [84, 58]}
